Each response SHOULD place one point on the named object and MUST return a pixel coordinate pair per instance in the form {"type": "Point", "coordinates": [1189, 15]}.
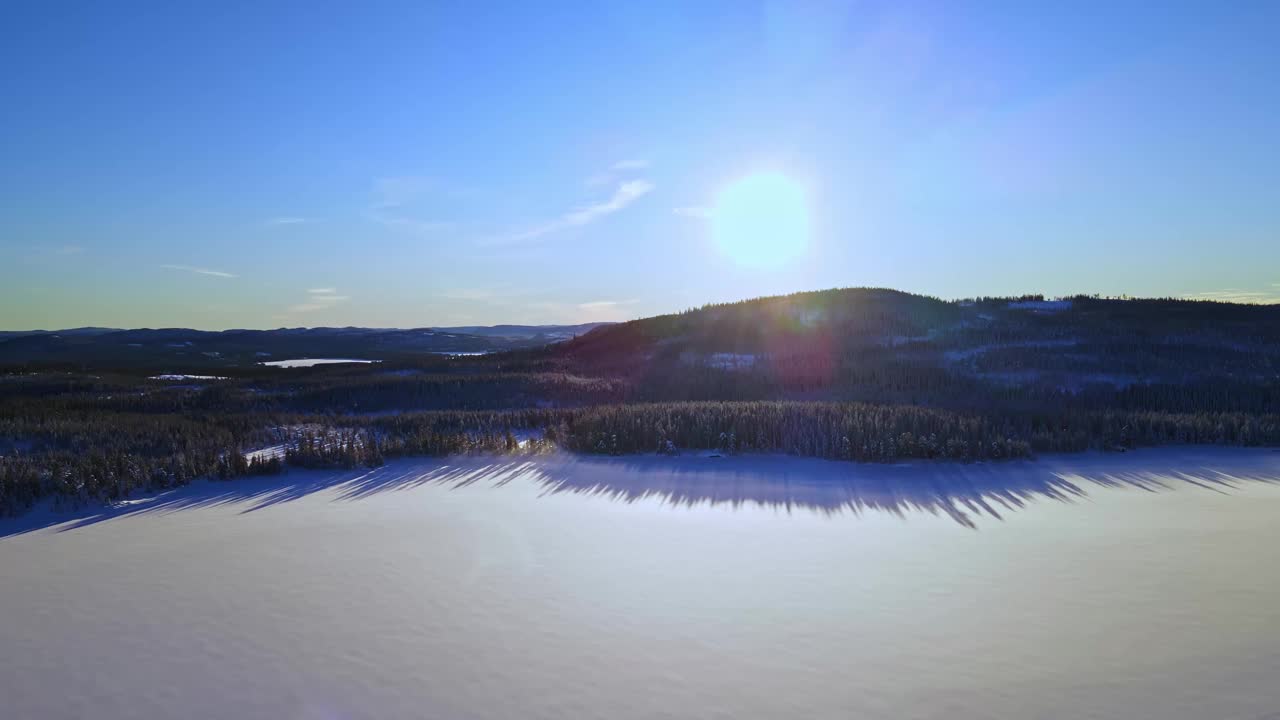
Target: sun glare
{"type": "Point", "coordinates": [762, 220]}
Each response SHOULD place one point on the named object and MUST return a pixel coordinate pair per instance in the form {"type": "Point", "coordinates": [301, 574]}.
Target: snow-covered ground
{"type": "Point", "coordinates": [1138, 586]}
{"type": "Point", "coordinates": [266, 453]}
{"type": "Point", "coordinates": [172, 376]}
{"type": "Point", "coordinates": [310, 362]}
{"type": "Point", "coordinates": [1041, 305]}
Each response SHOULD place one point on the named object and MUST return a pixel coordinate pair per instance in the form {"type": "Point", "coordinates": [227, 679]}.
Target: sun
{"type": "Point", "coordinates": [762, 220]}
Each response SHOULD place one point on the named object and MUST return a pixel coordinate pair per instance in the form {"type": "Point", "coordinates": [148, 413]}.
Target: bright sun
{"type": "Point", "coordinates": [762, 220]}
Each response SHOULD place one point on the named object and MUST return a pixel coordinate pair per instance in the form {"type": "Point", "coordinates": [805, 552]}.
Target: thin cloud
{"type": "Point", "coordinates": [617, 171]}
{"type": "Point", "coordinates": [319, 299]}
{"type": "Point", "coordinates": [70, 250]}
{"type": "Point", "coordinates": [1237, 295]}
{"type": "Point", "coordinates": [286, 220]}
{"type": "Point", "coordinates": [605, 304]}
{"type": "Point", "coordinates": [599, 310]}
{"type": "Point", "coordinates": [625, 194]}
{"type": "Point", "coordinates": [200, 271]}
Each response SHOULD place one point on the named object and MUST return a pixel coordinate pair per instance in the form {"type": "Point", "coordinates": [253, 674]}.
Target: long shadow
{"type": "Point", "coordinates": [964, 493]}
{"type": "Point", "coordinates": [831, 488]}
{"type": "Point", "coordinates": [258, 493]}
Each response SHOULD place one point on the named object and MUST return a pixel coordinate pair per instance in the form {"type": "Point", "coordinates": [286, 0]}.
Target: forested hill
{"type": "Point", "coordinates": [863, 343]}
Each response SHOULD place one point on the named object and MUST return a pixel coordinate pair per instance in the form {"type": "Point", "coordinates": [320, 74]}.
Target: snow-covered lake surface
{"type": "Point", "coordinates": [311, 362]}
{"type": "Point", "coordinates": [1137, 586]}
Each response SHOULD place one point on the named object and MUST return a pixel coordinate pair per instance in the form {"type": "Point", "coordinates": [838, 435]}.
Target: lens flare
{"type": "Point", "coordinates": [762, 220]}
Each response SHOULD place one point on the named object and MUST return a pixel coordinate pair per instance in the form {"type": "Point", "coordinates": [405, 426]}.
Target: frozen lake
{"type": "Point", "coordinates": [312, 362]}
{"type": "Point", "coordinates": [1138, 586]}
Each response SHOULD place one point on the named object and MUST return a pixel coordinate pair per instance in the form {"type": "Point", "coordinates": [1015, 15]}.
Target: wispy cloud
{"type": "Point", "coordinates": [514, 303]}
{"type": "Point", "coordinates": [1238, 295]}
{"type": "Point", "coordinates": [286, 220]}
{"type": "Point", "coordinates": [319, 299]}
{"type": "Point", "coordinates": [627, 193]}
{"type": "Point", "coordinates": [70, 250]}
{"type": "Point", "coordinates": [543, 311]}
{"type": "Point", "coordinates": [692, 211]}
{"type": "Point", "coordinates": [200, 271]}
{"type": "Point", "coordinates": [605, 304]}
{"type": "Point", "coordinates": [617, 171]}
{"type": "Point", "coordinates": [624, 195]}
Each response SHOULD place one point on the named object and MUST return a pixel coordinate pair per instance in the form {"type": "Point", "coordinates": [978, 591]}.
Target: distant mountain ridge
{"type": "Point", "coordinates": [68, 331]}
{"type": "Point", "coordinates": [174, 346]}
{"type": "Point", "coordinates": [485, 330]}
{"type": "Point", "coordinates": [875, 344]}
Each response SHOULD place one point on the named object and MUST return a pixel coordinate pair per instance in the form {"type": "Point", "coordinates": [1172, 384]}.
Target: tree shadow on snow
{"type": "Point", "coordinates": [965, 493]}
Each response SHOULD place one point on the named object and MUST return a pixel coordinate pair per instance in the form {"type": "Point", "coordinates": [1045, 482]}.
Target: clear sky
{"type": "Point", "coordinates": [222, 165]}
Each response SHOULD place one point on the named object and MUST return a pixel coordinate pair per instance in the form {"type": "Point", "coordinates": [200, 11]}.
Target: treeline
{"type": "Point", "coordinates": [83, 458]}
{"type": "Point", "coordinates": [853, 431]}
{"type": "Point", "coordinates": [846, 431]}
{"type": "Point", "coordinates": [347, 448]}
{"type": "Point", "coordinates": [77, 479]}
{"type": "Point", "coordinates": [79, 457]}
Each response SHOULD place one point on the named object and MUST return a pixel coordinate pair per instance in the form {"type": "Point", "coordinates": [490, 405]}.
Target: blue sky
{"type": "Point", "coordinates": [267, 165]}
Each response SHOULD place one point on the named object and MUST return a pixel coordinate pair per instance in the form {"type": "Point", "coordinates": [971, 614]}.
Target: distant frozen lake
{"type": "Point", "coordinates": [1137, 586]}
{"type": "Point", "coordinates": [310, 362]}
